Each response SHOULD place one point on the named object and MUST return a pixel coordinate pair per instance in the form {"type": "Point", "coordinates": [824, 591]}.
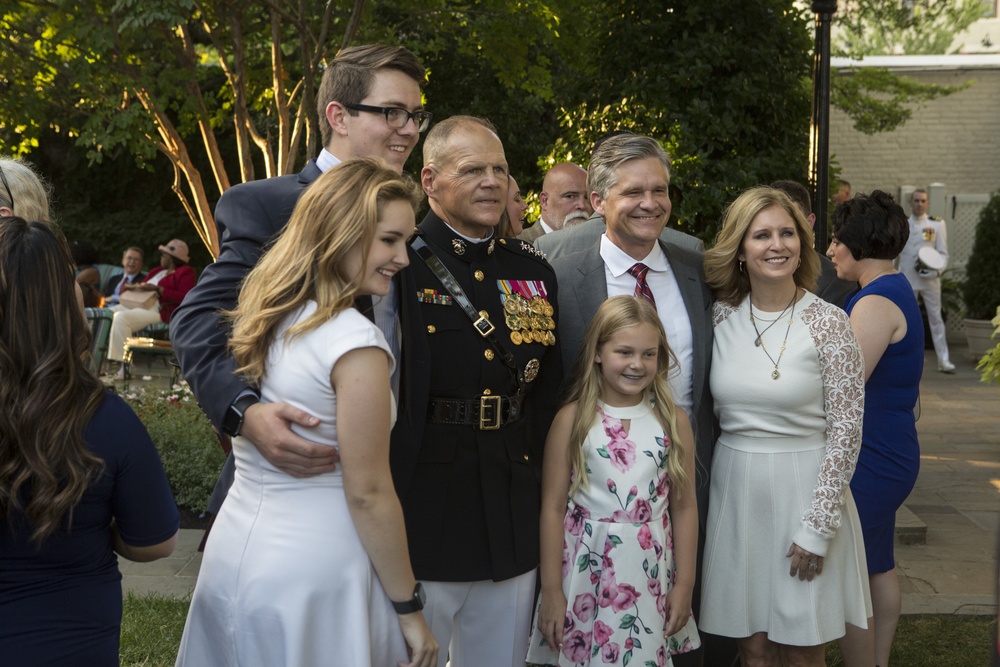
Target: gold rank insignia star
{"type": "Point", "coordinates": [531, 370]}
{"type": "Point", "coordinates": [459, 246]}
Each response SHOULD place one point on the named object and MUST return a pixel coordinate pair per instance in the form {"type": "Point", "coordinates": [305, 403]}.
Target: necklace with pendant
{"type": "Point", "coordinates": [760, 343]}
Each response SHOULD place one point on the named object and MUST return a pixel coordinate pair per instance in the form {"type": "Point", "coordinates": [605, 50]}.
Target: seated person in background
{"type": "Point", "coordinates": [131, 273]}
{"type": "Point", "coordinates": [79, 476]}
{"type": "Point", "coordinates": [87, 275]}
{"type": "Point", "coordinates": [171, 280]}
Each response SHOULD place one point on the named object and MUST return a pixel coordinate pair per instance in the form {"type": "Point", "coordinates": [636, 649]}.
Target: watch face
{"type": "Point", "coordinates": [418, 593]}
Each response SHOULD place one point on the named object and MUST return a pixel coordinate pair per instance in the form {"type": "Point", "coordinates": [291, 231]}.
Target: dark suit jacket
{"type": "Point", "coordinates": [583, 288]}
{"type": "Point", "coordinates": [112, 282]}
{"type": "Point", "coordinates": [248, 217]}
{"type": "Point", "coordinates": [470, 497]}
{"type": "Point", "coordinates": [533, 232]}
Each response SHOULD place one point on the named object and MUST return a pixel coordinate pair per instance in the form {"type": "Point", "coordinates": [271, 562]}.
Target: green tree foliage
{"type": "Point", "coordinates": [731, 107]}
{"type": "Point", "coordinates": [875, 98]}
{"type": "Point", "coordinates": [981, 287]}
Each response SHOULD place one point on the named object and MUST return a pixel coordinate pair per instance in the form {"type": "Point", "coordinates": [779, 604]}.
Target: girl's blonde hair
{"type": "Point", "coordinates": [615, 314]}
{"type": "Point", "coordinates": [337, 213]}
{"type": "Point", "coordinates": [729, 281]}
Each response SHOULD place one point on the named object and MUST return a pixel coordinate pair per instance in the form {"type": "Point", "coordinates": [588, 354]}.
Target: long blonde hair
{"type": "Point", "coordinates": [615, 314]}
{"type": "Point", "coordinates": [730, 283]}
{"type": "Point", "coordinates": [337, 213]}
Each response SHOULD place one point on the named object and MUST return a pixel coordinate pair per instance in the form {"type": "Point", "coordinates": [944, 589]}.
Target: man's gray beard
{"type": "Point", "coordinates": [575, 218]}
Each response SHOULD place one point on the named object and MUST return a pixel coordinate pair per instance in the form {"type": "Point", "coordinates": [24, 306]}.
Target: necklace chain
{"type": "Point", "coordinates": [760, 343]}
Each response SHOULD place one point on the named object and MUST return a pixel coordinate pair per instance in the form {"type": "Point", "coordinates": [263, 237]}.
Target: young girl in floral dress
{"type": "Point", "coordinates": [618, 569]}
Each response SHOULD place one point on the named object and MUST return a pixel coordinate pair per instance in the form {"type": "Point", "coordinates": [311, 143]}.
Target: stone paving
{"type": "Point", "coordinates": [953, 513]}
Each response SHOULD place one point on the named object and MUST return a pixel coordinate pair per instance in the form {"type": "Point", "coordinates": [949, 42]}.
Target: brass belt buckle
{"type": "Point", "coordinates": [489, 421]}
{"type": "Point", "coordinates": [484, 327]}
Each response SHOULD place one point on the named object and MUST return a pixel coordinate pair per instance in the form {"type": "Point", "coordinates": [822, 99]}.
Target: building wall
{"type": "Point", "coordinates": [953, 140]}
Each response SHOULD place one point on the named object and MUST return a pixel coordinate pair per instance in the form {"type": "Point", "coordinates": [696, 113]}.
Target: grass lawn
{"type": "Point", "coordinates": [152, 626]}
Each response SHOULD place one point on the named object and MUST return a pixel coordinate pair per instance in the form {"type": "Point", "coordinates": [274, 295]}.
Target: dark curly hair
{"type": "Point", "coordinates": [871, 226]}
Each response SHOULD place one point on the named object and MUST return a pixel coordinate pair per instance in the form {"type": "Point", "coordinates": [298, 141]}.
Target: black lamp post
{"type": "Point", "coordinates": [819, 130]}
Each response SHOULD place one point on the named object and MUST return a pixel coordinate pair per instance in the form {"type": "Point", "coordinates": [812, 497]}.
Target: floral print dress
{"type": "Point", "coordinates": [618, 563]}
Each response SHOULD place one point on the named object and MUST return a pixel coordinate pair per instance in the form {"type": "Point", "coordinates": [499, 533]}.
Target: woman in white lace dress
{"type": "Point", "coordinates": [784, 567]}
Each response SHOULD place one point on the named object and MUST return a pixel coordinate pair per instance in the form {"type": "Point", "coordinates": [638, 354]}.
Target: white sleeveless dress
{"type": "Point", "coordinates": [285, 579]}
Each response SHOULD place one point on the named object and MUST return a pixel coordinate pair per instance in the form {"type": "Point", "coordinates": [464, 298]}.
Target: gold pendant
{"type": "Point", "coordinates": [775, 374]}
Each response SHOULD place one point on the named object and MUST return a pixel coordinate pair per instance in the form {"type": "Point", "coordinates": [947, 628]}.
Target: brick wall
{"type": "Point", "coordinates": [953, 140]}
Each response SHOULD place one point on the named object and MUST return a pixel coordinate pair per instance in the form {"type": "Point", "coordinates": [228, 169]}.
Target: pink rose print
{"type": "Point", "coordinates": [569, 624]}
{"type": "Point", "coordinates": [661, 605]}
{"type": "Point", "coordinates": [565, 562]}
{"type": "Point", "coordinates": [613, 428]}
{"type": "Point", "coordinates": [593, 578]}
{"type": "Point", "coordinates": [663, 486]}
{"type": "Point", "coordinates": [576, 646]}
{"type": "Point", "coordinates": [609, 653]}
{"type": "Point", "coordinates": [622, 454]}
{"type": "Point", "coordinates": [575, 518]}
{"type": "Point", "coordinates": [607, 589]}
{"type": "Point", "coordinates": [626, 597]}
{"type": "Point", "coordinates": [661, 657]}
{"type": "Point", "coordinates": [602, 633]}
{"type": "Point", "coordinates": [640, 513]}
{"type": "Point", "coordinates": [612, 487]}
{"type": "Point", "coordinates": [645, 537]}
{"type": "Point", "coordinates": [629, 644]}
{"type": "Point", "coordinates": [654, 586]}
{"type": "Point", "coordinates": [584, 606]}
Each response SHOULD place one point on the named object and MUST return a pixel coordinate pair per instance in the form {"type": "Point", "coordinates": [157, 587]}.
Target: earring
{"type": "Point", "coordinates": [741, 267]}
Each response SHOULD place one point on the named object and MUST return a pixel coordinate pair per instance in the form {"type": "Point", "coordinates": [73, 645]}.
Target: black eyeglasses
{"type": "Point", "coordinates": [6, 185]}
{"type": "Point", "coordinates": [395, 117]}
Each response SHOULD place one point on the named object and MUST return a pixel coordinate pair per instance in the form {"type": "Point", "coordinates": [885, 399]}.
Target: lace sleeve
{"type": "Point", "coordinates": [842, 367]}
{"type": "Point", "coordinates": [720, 312]}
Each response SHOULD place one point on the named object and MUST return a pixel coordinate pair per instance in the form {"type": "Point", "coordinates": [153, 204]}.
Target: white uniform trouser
{"type": "Point", "coordinates": [931, 295]}
{"type": "Point", "coordinates": [481, 623]}
{"type": "Point", "coordinates": [125, 322]}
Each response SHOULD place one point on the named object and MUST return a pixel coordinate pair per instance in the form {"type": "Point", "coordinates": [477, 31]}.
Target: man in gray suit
{"type": "Point", "coordinates": [628, 179]}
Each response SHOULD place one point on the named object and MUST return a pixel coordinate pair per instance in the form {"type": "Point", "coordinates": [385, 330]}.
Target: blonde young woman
{"type": "Point", "coordinates": [784, 566]}
{"type": "Point", "coordinates": [310, 571]}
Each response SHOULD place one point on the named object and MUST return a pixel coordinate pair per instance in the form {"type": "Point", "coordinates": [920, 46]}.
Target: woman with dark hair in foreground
{"type": "Point", "coordinates": [79, 476]}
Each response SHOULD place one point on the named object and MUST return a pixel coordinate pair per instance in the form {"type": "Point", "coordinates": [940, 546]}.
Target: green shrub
{"type": "Point", "coordinates": [185, 440]}
{"type": "Point", "coordinates": [981, 291]}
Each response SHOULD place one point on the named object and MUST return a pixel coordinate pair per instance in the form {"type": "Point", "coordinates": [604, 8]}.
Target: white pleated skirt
{"type": "Point", "coordinates": [759, 492]}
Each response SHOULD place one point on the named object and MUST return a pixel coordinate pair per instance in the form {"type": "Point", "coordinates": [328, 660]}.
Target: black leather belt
{"type": "Point", "coordinates": [486, 413]}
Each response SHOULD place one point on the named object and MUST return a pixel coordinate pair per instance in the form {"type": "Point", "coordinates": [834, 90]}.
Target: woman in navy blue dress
{"type": "Point", "coordinates": [79, 476]}
{"type": "Point", "coordinates": [868, 233]}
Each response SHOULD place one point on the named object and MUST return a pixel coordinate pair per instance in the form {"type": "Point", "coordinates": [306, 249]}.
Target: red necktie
{"type": "Point", "coordinates": [639, 270]}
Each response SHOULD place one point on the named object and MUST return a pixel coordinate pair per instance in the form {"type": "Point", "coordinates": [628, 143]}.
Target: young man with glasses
{"type": "Point", "coordinates": [370, 106]}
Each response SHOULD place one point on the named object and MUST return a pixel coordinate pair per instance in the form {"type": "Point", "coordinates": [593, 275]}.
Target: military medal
{"type": "Point", "coordinates": [531, 370]}
{"type": "Point", "coordinates": [515, 337]}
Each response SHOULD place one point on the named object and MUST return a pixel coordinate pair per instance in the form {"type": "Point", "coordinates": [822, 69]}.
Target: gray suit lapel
{"type": "Point", "coordinates": [689, 283]}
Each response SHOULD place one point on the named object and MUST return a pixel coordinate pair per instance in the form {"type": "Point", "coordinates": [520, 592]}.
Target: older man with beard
{"type": "Point", "coordinates": [564, 201]}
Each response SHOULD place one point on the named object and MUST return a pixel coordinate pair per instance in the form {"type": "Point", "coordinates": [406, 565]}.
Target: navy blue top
{"type": "Point", "coordinates": [61, 604]}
